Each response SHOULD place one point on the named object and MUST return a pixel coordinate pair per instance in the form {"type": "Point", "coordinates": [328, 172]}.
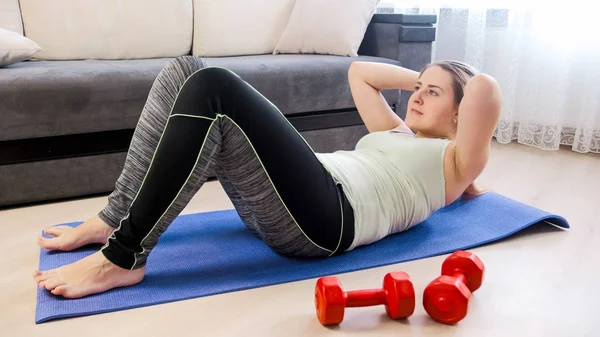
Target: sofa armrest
{"type": "Point", "coordinates": [406, 38]}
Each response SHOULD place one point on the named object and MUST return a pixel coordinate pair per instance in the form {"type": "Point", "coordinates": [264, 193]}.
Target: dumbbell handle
{"type": "Point", "coordinates": [365, 298]}
{"type": "Point", "coordinates": [459, 276]}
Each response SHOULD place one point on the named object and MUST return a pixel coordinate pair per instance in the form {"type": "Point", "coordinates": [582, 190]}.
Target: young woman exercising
{"type": "Point", "coordinates": [300, 203]}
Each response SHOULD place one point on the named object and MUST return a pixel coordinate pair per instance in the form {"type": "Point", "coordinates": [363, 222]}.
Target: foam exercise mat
{"type": "Point", "coordinates": [210, 253]}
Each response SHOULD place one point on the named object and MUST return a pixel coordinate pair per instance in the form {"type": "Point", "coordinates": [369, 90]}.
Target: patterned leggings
{"type": "Point", "coordinates": [200, 118]}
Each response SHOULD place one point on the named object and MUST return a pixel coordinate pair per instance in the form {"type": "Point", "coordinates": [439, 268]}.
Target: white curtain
{"type": "Point", "coordinates": [546, 58]}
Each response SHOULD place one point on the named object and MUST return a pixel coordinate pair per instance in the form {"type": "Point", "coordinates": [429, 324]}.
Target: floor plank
{"type": "Point", "coordinates": [541, 282]}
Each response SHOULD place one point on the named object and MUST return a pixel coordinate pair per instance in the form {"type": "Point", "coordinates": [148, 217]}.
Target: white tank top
{"type": "Point", "coordinates": [392, 180]}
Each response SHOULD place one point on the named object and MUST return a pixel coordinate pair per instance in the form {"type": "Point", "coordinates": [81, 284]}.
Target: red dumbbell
{"type": "Point", "coordinates": [446, 299]}
{"type": "Point", "coordinates": [398, 296]}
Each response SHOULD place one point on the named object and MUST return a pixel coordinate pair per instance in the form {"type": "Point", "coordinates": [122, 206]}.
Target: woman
{"type": "Point", "coordinates": [298, 202]}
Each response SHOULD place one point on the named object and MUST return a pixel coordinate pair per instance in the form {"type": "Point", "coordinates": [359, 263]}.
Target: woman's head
{"type": "Point", "coordinates": [433, 107]}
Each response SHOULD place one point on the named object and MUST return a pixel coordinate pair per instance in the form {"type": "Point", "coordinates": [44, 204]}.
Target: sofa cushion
{"type": "Point", "coordinates": [51, 98]}
{"type": "Point", "coordinates": [109, 29]}
{"type": "Point", "coordinates": [10, 16]}
{"type": "Point", "coordinates": [238, 27]}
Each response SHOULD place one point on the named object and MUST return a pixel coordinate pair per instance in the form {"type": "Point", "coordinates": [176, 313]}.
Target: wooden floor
{"type": "Point", "coordinates": [541, 282]}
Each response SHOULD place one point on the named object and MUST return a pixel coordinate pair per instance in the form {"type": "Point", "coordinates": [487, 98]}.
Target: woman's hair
{"type": "Point", "coordinates": [460, 72]}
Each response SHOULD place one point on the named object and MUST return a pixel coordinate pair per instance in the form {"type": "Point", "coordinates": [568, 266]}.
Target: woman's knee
{"type": "Point", "coordinates": [184, 69]}
{"type": "Point", "coordinates": [207, 86]}
{"type": "Point", "coordinates": [184, 66]}
{"type": "Point", "coordinates": [215, 76]}
{"type": "Point", "coordinates": [176, 72]}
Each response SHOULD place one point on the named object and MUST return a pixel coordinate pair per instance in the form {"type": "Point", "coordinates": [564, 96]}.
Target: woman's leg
{"type": "Point", "coordinates": [293, 202]}
{"type": "Point", "coordinates": [219, 118]}
{"type": "Point", "coordinates": [238, 202]}
{"type": "Point", "coordinates": [149, 128]}
{"type": "Point", "coordinates": [307, 215]}
{"type": "Point", "coordinates": [147, 135]}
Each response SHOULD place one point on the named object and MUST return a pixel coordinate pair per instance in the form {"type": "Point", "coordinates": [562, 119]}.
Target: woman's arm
{"type": "Point", "coordinates": [366, 80]}
{"type": "Point", "coordinates": [478, 116]}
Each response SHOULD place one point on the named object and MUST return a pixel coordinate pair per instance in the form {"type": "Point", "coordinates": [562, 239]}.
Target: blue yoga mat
{"type": "Point", "coordinates": [211, 253]}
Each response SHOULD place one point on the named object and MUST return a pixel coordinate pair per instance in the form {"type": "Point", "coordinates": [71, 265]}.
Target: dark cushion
{"type": "Point", "coordinates": [300, 83]}
{"type": "Point", "coordinates": [51, 98]}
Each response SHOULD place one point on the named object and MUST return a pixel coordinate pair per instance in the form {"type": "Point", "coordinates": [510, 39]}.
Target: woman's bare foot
{"type": "Point", "coordinates": [68, 238]}
{"type": "Point", "coordinates": [90, 275]}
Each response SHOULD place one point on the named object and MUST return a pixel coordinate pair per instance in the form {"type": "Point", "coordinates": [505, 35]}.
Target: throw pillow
{"type": "Point", "coordinates": [335, 27]}
{"type": "Point", "coordinates": [15, 48]}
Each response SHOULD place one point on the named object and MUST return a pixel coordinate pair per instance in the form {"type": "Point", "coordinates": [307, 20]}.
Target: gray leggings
{"type": "Point", "coordinates": [197, 119]}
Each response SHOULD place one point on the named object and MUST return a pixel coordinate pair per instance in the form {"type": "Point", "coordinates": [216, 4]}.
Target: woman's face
{"type": "Point", "coordinates": [431, 109]}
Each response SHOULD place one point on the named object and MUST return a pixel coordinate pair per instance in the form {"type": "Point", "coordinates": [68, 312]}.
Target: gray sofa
{"type": "Point", "coordinates": [65, 126]}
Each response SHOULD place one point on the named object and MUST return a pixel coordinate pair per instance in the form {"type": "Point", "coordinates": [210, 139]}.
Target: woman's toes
{"type": "Point", "coordinates": [60, 290]}
{"type": "Point", "coordinates": [53, 243]}
{"type": "Point", "coordinates": [44, 275]}
{"type": "Point", "coordinates": [52, 283]}
{"type": "Point", "coordinates": [47, 279]}
{"type": "Point", "coordinates": [42, 241]}
{"type": "Point", "coordinates": [42, 278]}
{"type": "Point", "coordinates": [39, 276]}
{"type": "Point", "coordinates": [67, 238]}
{"type": "Point", "coordinates": [55, 230]}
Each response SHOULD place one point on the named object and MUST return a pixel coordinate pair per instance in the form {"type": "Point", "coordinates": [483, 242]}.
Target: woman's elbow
{"type": "Point", "coordinates": [354, 69]}
{"type": "Point", "coordinates": [486, 88]}
{"type": "Point", "coordinates": [484, 84]}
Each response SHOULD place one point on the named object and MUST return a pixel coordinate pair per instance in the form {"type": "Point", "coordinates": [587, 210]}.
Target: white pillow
{"type": "Point", "coordinates": [109, 29]}
{"type": "Point", "coordinates": [15, 48]}
{"type": "Point", "coordinates": [335, 27]}
{"type": "Point", "coordinates": [238, 27]}
{"type": "Point", "coordinates": [10, 16]}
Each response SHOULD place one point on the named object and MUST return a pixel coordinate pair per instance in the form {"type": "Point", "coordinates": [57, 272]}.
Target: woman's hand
{"type": "Point", "coordinates": [474, 190]}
